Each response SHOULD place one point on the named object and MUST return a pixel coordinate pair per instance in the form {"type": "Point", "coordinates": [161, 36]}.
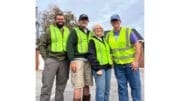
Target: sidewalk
{"type": "Point", "coordinates": [69, 89]}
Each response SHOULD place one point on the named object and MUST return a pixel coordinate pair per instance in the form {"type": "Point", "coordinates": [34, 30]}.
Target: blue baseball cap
{"type": "Point", "coordinates": [115, 17]}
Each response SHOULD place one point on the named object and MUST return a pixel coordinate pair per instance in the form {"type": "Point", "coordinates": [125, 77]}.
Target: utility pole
{"type": "Point", "coordinates": [37, 23]}
{"type": "Point", "coordinates": [37, 40]}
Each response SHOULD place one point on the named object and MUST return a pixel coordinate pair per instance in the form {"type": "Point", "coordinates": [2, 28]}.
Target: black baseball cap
{"type": "Point", "coordinates": [83, 17]}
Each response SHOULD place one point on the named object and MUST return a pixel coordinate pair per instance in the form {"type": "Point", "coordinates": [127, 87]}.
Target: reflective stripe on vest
{"type": "Point", "coordinates": [82, 45]}
{"type": "Point", "coordinates": [102, 52]}
{"type": "Point", "coordinates": [58, 39]}
{"type": "Point", "coordinates": [122, 50]}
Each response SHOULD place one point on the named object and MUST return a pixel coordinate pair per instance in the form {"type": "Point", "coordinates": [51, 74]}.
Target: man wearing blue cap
{"type": "Point", "coordinates": [125, 50]}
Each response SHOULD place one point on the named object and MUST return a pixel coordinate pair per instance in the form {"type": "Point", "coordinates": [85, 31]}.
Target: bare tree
{"type": "Point", "coordinates": [49, 14]}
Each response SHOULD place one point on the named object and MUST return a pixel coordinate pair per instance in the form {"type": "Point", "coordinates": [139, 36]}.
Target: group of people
{"type": "Point", "coordinates": [87, 54]}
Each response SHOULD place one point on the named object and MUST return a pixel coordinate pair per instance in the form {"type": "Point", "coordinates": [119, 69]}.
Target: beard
{"type": "Point", "coordinates": [60, 25]}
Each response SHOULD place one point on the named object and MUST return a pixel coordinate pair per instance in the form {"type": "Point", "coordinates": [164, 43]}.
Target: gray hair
{"type": "Point", "coordinates": [93, 28]}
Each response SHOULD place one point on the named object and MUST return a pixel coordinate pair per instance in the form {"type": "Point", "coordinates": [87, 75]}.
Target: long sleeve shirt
{"type": "Point", "coordinates": [92, 56]}
{"type": "Point", "coordinates": [45, 48]}
{"type": "Point", "coordinates": [72, 45]}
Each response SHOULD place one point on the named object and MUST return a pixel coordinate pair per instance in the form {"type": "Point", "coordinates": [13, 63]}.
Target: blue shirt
{"type": "Point", "coordinates": [133, 37]}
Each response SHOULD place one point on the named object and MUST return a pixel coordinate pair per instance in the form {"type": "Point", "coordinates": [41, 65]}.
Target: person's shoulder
{"type": "Point", "coordinates": [51, 25]}
{"type": "Point", "coordinates": [65, 27]}
{"type": "Point", "coordinates": [92, 38]}
{"type": "Point", "coordinates": [73, 31]}
{"type": "Point", "coordinates": [107, 32]}
{"type": "Point", "coordinates": [91, 42]}
{"type": "Point", "coordinates": [48, 28]}
{"type": "Point", "coordinates": [76, 28]}
{"type": "Point", "coordinates": [47, 32]}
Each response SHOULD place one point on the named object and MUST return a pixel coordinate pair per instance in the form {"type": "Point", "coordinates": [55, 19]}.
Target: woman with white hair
{"type": "Point", "coordinates": [100, 59]}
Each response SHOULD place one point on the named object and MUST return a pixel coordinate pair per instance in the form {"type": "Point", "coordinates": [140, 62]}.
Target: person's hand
{"type": "Point", "coordinates": [99, 72]}
{"type": "Point", "coordinates": [73, 66]}
{"type": "Point", "coordinates": [134, 65]}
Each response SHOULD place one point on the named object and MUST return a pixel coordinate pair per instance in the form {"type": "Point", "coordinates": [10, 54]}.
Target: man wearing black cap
{"type": "Point", "coordinates": [77, 48]}
{"type": "Point", "coordinates": [125, 50]}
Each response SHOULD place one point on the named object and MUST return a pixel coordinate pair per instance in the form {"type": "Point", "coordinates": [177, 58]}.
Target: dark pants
{"type": "Point", "coordinates": [53, 69]}
{"type": "Point", "coordinates": [125, 74]}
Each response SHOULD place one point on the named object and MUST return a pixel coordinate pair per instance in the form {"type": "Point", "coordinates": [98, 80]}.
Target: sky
{"type": "Point", "coordinates": [99, 11]}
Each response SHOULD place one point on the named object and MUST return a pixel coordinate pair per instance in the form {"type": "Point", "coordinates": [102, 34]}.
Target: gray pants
{"type": "Point", "coordinates": [61, 71]}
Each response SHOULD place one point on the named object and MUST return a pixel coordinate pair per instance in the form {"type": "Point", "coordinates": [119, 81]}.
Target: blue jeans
{"type": "Point", "coordinates": [125, 74]}
{"type": "Point", "coordinates": [102, 85]}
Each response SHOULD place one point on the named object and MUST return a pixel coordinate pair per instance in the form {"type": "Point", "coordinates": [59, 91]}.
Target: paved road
{"type": "Point", "coordinates": [68, 91]}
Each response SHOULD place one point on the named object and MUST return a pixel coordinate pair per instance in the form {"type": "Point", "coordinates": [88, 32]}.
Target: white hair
{"type": "Point", "coordinates": [93, 28]}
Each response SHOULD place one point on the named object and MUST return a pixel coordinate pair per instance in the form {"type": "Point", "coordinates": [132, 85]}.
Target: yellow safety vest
{"type": "Point", "coordinates": [83, 39]}
{"type": "Point", "coordinates": [123, 51]}
{"type": "Point", "coordinates": [59, 39]}
{"type": "Point", "coordinates": [102, 51]}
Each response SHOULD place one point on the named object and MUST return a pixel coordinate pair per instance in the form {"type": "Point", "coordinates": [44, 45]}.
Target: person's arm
{"type": "Point", "coordinates": [43, 44]}
{"type": "Point", "coordinates": [92, 56]}
{"type": "Point", "coordinates": [138, 51]}
{"type": "Point", "coordinates": [72, 41]}
{"type": "Point", "coordinates": [71, 45]}
{"type": "Point", "coordinates": [135, 42]}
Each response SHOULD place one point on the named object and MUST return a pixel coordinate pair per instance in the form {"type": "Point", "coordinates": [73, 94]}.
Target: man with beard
{"type": "Point", "coordinates": [53, 50]}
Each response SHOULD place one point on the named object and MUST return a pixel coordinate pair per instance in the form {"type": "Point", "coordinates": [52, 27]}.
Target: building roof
{"type": "Point", "coordinates": [138, 34]}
